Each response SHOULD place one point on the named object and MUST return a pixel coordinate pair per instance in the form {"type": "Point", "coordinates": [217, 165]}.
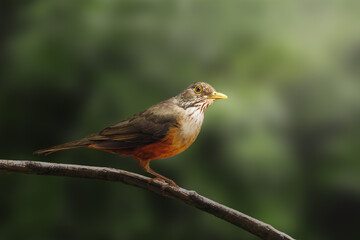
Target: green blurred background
{"type": "Point", "coordinates": [284, 148]}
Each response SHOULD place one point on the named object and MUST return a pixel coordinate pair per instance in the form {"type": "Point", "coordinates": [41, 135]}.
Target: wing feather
{"type": "Point", "coordinates": [141, 129]}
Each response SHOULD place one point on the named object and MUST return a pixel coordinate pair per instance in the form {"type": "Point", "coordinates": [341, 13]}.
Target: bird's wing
{"type": "Point", "coordinates": [141, 129]}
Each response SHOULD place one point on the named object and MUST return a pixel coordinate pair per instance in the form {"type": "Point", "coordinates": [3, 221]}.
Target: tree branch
{"type": "Point", "coordinates": [252, 225]}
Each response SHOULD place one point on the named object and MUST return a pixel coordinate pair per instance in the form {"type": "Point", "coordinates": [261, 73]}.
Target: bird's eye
{"type": "Point", "coordinates": [198, 89]}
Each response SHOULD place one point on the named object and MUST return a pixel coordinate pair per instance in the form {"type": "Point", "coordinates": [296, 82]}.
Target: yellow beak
{"type": "Point", "coordinates": [217, 95]}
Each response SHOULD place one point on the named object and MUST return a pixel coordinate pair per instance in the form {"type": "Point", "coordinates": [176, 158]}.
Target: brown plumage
{"type": "Point", "coordinates": [161, 131]}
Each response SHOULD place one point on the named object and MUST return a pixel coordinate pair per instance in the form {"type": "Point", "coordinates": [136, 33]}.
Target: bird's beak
{"type": "Point", "coordinates": [217, 95]}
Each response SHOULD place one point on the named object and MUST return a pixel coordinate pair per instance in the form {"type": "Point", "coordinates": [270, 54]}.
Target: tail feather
{"type": "Point", "coordinates": [65, 146]}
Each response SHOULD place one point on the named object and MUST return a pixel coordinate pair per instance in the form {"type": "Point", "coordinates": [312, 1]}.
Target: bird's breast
{"type": "Point", "coordinates": [190, 124]}
{"type": "Point", "coordinates": [178, 138]}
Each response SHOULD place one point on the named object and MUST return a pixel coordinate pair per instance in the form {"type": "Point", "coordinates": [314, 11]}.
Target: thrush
{"type": "Point", "coordinates": [161, 131]}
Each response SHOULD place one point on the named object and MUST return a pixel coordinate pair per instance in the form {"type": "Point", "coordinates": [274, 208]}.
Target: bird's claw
{"type": "Point", "coordinates": [156, 178]}
{"type": "Point", "coordinates": [169, 182]}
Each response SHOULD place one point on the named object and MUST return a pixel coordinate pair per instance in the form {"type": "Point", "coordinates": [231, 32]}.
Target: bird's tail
{"type": "Point", "coordinates": [74, 144]}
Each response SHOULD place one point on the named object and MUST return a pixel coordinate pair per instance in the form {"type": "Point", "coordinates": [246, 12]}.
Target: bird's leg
{"type": "Point", "coordinates": [145, 166]}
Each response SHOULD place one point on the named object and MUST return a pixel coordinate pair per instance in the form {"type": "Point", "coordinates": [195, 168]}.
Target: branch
{"type": "Point", "coordinates": [252, 225]}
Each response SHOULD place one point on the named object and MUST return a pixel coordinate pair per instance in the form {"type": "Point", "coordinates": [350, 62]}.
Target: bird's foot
{"type": "Point", "coordinates": [156, 178]}
{"type": "Point", "coordinates": [170, 183]}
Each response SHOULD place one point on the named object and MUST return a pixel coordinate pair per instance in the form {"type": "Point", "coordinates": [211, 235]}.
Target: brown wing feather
{"type": "Point", "coordinates": [139, 130]}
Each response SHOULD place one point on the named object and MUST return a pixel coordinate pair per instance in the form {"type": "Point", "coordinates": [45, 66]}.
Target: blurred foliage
{"type": "Point", "coordinates": [284, 147]}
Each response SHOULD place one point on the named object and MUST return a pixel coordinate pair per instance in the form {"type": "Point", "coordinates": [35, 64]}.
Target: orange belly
{"type": "Point", "coordinates": [169, 146]}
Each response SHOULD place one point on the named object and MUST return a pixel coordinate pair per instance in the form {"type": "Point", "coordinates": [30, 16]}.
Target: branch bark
{"type": "Point", "coordinates": [252, 225]}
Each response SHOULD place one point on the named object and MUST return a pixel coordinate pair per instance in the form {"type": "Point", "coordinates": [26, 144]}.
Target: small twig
{"type": "Point", "coordinates": [252, 225]}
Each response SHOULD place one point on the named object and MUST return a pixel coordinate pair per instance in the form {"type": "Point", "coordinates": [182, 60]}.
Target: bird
{"type": "Point", "coordinates": [161, 131]}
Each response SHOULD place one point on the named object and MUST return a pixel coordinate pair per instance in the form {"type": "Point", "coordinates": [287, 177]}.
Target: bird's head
{"type": "Point", "coordinates": [199, 95]}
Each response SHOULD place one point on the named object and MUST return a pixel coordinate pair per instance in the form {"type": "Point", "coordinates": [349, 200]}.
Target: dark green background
{"type": "Point", "coordinates": [284, 148]}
